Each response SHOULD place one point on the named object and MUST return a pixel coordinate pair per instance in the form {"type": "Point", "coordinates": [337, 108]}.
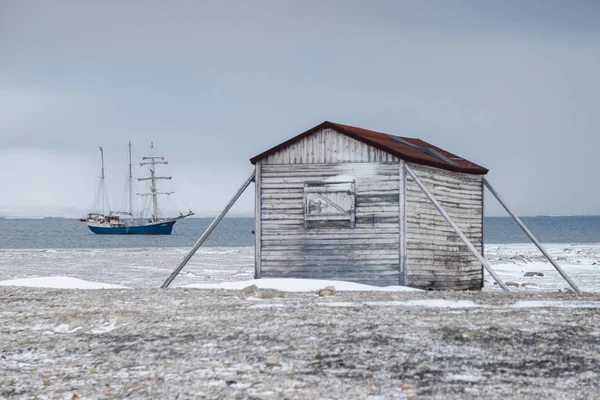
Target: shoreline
{"type": "Point", "coordinates": [148, 267]}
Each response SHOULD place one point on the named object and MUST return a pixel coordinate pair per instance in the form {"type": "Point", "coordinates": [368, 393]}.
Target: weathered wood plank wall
{"type": "Point", "coordinates": [367, 253]}
{"type": "Point", "coordinates": [328, 146]}
{"type": "Point", "coordinates": [436, 258]}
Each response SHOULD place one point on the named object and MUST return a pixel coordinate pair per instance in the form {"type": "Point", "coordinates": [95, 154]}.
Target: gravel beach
{"type": "Point", "coordinates": [190, 343]}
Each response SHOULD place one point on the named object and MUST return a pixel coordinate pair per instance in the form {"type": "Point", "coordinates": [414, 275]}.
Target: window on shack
{"type": "Point", "coordinates": [329, 204]}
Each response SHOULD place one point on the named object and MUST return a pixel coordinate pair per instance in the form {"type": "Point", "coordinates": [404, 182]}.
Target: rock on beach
{"type": "Point", "coordinates": [326, 291]}
{"type": "Point", "coordinates": [258, 293]}
{"type": "Point", "coordinates": [528, 274]}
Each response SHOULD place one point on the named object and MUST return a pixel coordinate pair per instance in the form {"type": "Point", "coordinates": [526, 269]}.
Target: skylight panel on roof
{"type": "Point", "coordinates": [426, 150]}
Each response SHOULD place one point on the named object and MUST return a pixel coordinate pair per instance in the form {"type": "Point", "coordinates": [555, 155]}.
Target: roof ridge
{"type": "Point", "coordinates": [422, 153]}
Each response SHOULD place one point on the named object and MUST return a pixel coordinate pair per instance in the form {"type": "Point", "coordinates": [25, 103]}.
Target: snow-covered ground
{"type": "Point", "coordinates": [221, 267]}
{"type": "Point", "coordinates": [59, 282]}
{"type": "Point", "coordinates": [194, 342]}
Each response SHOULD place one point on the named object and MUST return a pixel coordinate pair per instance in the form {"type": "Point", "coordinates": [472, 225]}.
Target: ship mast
{"type": "Point", "coordinates": [130, 188]}
{"type": "Point", "coordinates": [101, 195]}
{"type": "Point", "coordinates": [102, 158]}
{"type": "Point", "coordinates": [152, 161]}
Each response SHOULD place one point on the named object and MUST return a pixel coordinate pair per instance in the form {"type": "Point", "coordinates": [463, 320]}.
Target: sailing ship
{"type": "Point", "coordinates": [123, 222]}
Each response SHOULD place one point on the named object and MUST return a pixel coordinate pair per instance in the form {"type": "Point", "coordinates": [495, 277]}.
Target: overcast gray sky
{"type": "Point", "coordinates": [511, 85]}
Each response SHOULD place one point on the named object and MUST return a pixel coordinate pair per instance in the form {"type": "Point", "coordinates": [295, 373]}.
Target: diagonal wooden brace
{"type": "Point", "coordinates": [437, 205]}
{"type": "Point", "coordinates": [207, 232]}
{"type": "Point", "coordinates": [530, 235]}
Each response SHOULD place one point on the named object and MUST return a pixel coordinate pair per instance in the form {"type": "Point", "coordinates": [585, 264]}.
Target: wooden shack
{"type": "Point", "coordinates": [336, 202]}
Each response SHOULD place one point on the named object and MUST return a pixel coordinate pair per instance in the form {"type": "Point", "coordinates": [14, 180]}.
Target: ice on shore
{"type": "Point", "coordinates": [224, 267]}
{"type": "Point", "coordinates": [59, 282]}
{"type": "Point", "coordinates": [511, 262]}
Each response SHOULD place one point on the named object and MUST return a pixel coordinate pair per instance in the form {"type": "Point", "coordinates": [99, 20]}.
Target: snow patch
{"type": "Point", "coordinates": [556, 304]}
{"type": "Point", "coordinates": [464, 378]}
{"type": "Point", "coordinates": [340, 178]}
{"type": "Point", "coordinates": [66, 328]}
{"type": "Point", "coordinates": [59, 282]}
{"type": "Point", "coordinates": [272, 305]}
{"type": "Point", "coordinates": [354, 172]}
{"type": "Point", "coordinates": [434, 303]}
{"type": "Point", "coordinates": [107, 327]}
{"type": "Point", "coordinates": [298, 285]}
{"type": "Point", "coordinates": [442, 303]}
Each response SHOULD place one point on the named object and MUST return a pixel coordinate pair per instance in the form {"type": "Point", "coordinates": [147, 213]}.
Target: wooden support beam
{"type": "Point", "coordinates": [257, 219]}
{"type": "Point", "coordinates": [456, 228]}
{"type": "Point", "coordinates": [402, 221]}
{"type": "Point", "coordinates": [482, 228]}
{"type": "Point", "coordinates": [207, 232]}
{"type": "Point", "coordinates": [530, 235]}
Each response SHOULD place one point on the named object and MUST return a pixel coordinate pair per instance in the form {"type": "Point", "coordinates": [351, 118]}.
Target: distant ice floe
{"type": "Point", "coordinates": [59, 282]}
{"type": "Point", "coordinates": [298, 285]}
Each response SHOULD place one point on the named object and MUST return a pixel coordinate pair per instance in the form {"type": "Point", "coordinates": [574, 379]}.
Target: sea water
{"type": "Point", "coordinates": [238, 232]}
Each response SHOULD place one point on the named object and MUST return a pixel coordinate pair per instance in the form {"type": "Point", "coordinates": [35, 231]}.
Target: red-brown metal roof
{"type": "Point", "coordinates": [409, 149]}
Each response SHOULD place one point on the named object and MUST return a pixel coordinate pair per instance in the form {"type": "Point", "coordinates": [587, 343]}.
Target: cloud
{"type": "Point", "coordinates": [511, 85]}
{"type": "Point", "coordinates": [38, 182]}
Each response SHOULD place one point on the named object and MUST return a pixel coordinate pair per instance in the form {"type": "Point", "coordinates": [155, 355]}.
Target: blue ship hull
{"type": "Point", "coordinates": [157, 228]}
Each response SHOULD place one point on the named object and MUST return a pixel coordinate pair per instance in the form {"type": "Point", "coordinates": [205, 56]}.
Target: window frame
{"type": "Point", "coordinates": [319, 189]}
